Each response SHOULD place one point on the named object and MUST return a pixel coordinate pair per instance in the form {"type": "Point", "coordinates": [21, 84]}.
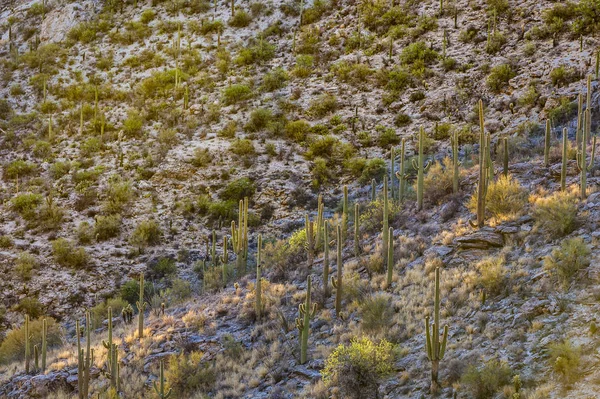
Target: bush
{"type": "Point", "coordinates": [26, 204]}
{"type": "Point", "coordinates": [24, 264]}
{"type": "Point", "coordinates": [438, 181]}
{"type": "Point", "coordinates": [492, 274]}
{"type": "Point", "coordinates": [68, 255]}
{"type": "Point", "coordinates": [562, 76]}
{"type": "Point", "coordinates": [486, 381]}
{"type": "Point", "coordinates": [376, 313]}
{"type": "Point", "coordinates": [118, 195]}
{"type": "Point", "coordinates": [130, 291]}
{"type": "Point", "coordinates": [357, 369]}
{"type": "Point", "coordinates": [297, 130]}
{"type": "Point", "coordinates": [418, 52]}
{"type": "Point", "coordinates": [323, 105]}
{"type": "Point", "coordinates": [163, 267]}
{"type": "Point", "coordinates": [147, 233]}
{"type": "Point", "coordinates": [31, 306]}
{"type": "Point", "coordinates": [179, 291]}
{"type": "Point", "coordinates": [387, 137]}
{"type": "Point", "coordinates": [506, 198]}
{"type": "Point", "coordinates": [107, 227]}
{"type": "Point", "coordinates": [18, 168]}
{"type": "Point", "coordinates": [99, 313]}
{"type": "Point", "coordinates": [274, 80]}
{"type": "Point", "coordinates": [6, 241]}
{"type": "Point", "coordinates": [565, 359]}
{"type": "Point", "coordinates": [499, 77]}
{"type": "Point", "coordinates": [242, 147]}
{"type": "Point", "coordinates": [202, 157]}
{"type": "Point", "coordinates": [132, 126]}
{"type": "Point", "coordinates": [188, 374]}
{"type": "Point", "coordinates": [236, 93]}
{"type": "Point", "coordinates": [556, 214]}
{"type": "Point", "coordinates": [304, 66]}
{"type": "Point", "coordinates": [373, 169]}
{"type": "Point", "coordinates": [259, 120]}
{"type": "Point", "coordinates": [13, 346]}
{"type": "Point", "coordinates": [240, 19]}
{"type": "Point", "coordinates": [238, 190]}
{"type": "Point", "coordinates": [566, 261]}
{"type": "Point", "coordinates": [256, 54]}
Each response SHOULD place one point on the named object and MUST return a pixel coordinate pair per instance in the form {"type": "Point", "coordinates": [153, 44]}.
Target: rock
{"type": "Point", "coordinates": [482, 239]}
{"type": "Point", "coordinates": [439, 250]}
{"type": "Point", "coordinates": [62, 19]}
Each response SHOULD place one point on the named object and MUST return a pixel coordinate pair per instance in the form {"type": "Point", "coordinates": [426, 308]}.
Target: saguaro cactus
{"type": "Point", "coordinates": [390, 258]}
{"type": "Point", "coordinates": [400, 173]}
{"type": "Point", "coordinates": [356, 231]}
{"type": "Point", "coordinates": [111, 358]}
{"type": "Point", "coordinates": [27, 344]}
{"type": "Point", "coordinates": [582, 150]}
{"type": "Point", "coordinates": [455, 162]}
{"type": "Point", "coordinates": [307, 311]}
{"type": "Point", "coordinates": [421, 168]}
{"type": "Point", "coordinates": [345, 214]}
{"type": "Point", "coordinates": [483, 171]}
{"type": "Point", "coordinates": [239, 237]}
{"type": "Point", "coordinates": [326, 258]}
{"type": "Point", "coordinates": [85, 359]}
{"type": "Point", "coordinates": [384, 233]}
{"type": "Point", "coordinates": [392, 172]}
{"type": "Point", "coordinates": [141, 305]}
{"type": "Point", "coordinates": [160, 387]}
{"type": "Point", "coordinates": [547, 143]}
{"type": "Point", "coordinates": [579, 130]}
{"type": "Point", "coordinates": [44, 343]}
{"type": "Point", "coordinates": [310, 241]}
{"type": "Point", "coordinates": [373, 190]}
{"type": "Point", "coordinates": [258, 304]}
{"type": "Point", "coordinates": [563, 168]}
{"type": "Point", "coordinates": [337, 282]}
{"type": "Point", "coordinates": [319, 222]}
{"type": "Point", "coordinates": [435, 348]}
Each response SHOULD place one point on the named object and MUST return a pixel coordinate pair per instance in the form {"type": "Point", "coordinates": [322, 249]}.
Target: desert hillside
{"type": "Point", "coordinates": [299, 199]}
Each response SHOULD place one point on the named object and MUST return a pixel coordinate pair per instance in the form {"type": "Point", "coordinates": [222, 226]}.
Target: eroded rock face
{"type": "Point", "coordinates": [61, 19]}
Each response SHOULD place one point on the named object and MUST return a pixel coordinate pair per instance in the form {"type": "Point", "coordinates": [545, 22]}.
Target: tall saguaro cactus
{"type": "Point", "coordinates": [258, 304]}
{"type": "Point", "coordinates": [484, 165]}
{"type": "Point", "coordinates": [400, 173]}
{"type": "Point", "coordinates": [307, 311]}
{"type": "Point", "coordinates": [384, 231]}
{"type": "Point", "coordinates": [345, 214]}
{"type": "Point", "coordinates": [582, 164]}
{"type": "Point", "coordinates": [160, 388]}
{"type": "Point", "coordinates": [390, 258]}
{"type": "Point", "coordinates": [337, 282]}
{"type": "Point", "coordinates": [547, 138]}
{"type": "Point", "coordinates": [392, 173]}
{"type": "Point", "coordinates": [563, 168]}
{"type": "Point", "coordinates": [326, 258]}
{"type": "Point", "coordinates": [85, 358]}
{"type": "Point", "coordinates": [27, 344]}
{"type": "Point", "coordinates": [44, 343]}
{"type": "Point", "coordinates": [356, 231]}
{"type": "Point", "coordinates": [455, 163]}
{"type": "Point", "coordinates": [435, 348]}
{"type": "Point", "coordinates": [239, 237]}
{"type": "Point", "coordinates": [421, 168]}
{"type": "Point", "coordinates": [141, 305]}
{"type": "Point", "coordinates": [112, 365]}
{"type": "Point", "coordinates": [310, 242]}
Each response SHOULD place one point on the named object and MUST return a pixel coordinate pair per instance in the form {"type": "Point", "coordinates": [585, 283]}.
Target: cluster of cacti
{"type": "Point", "coordinates": [160, 388]}
{"type": "Point", "coordinates": [85, 358]}
{"type": "Point", "coordinates": [484, 174]}
{"type": "Point", "coordinates": [434, 347]}
{"type": "Point", "coordinates": [307, 312]}
{"type": "Point", "coordinates": [127, 313]}
{"type": "Point", "coordinates": [141, 305]}
{"type": "Point", "coordinates": [258, 303]}
{"type": "Point", "coordinates": [239, 237]}
{"type": "Point", "coordinates": [582, 163]}
{"type": "Point", "coordinates": [112, 358]}
{"type": "Point", "coordinates": [421, 167]}
{"type": "Point", "coordinates": [337, 282]}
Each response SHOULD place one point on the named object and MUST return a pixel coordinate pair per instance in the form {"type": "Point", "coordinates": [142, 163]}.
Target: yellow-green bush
{"type": "Point", "coordinates": [13, 346]}
{"type": "Point", "coordinates": [566, 261]}
{"type": "Point", "coordinates": [66, 254]}
{"type": "Point", "coordinates": [437, 182]}
{"type": "Point", "coordinates": [484, 382]}
{"type": "Point", "coordinates": [147, 233]}
{"type": "Point", "coordinates": [556, 214]}
{"type": "Point", "coordinates": [565, 359]}
{"type": "Point", "coordinates": [505, 199]}
{"type": "Point", "coordinates": [107, 227]}
{"type": "Point", "coordinates": [492, 274]}
{"type": "Point", "coordinates": [187, 374]}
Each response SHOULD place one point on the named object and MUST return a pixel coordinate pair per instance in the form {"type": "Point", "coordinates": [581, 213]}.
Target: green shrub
{"type": "Point", "coordinates": [321, 173]}
{"type": "Point", "coordinates": [323, 105]}
{"type": "Point", "coordinates": [259, 120]}
{"type": "Point", "coordinates": [562, 76]}
{"type": "Point", "coordinates": [496, 41]}
{"type": "Point", "coordinates": [179, 291]}
{"type": "Point", "coordinates": [18, 168]}
{"type": "Point", "coordinates": [312, 14]}
{"type": "Point", "coordinates": [506, 198]}
{"type": "Point", "coordinates": [236, 93]}
{"type": "Point", "coordinates": [297, 130]}
{"type": "Point", "coordinates": [67, 254]}
{"type": "Point", "coordinates": [499, 77]}
{"type": "Point", "coordinates": [492, 274]}
{"type": "Point", "coordinates": [484, 382]}
{"type": "Point", "coordinates": [163, 267]}
{"type": "Point", "coordinates": [24, 264]}
{"type": "Point", "coordinates": [147, 233]}
{"type": "Point", "coordinates": [376, 313]}
{"type": "Point", "coordinates": [26, 205]}
{"type": "Point", "coordinates": [240, 19]}
{"type": "Point", "coordinates": [357, 369]}
{"type": "Point", "coordinates": [85, 233]}
{"type": "Point", "coordinates": [117, 196]}
{"type": "Point", "coordinates": [189, 373]}
{"type": "Point", "coordinates": [130, 291]}
{"type": "Point", "coordinates": [50, 216]}
{"type": "Point", "coordinates": [304, 66]}
{"type": "Point", "coordinates": [107, 227]}
{"type": "Point", "coordinates": [238, 189]}
{"type": "Point", "coordinates": [13, 346]}
{"type": "Point", "coordinates": [437, 182]}
{"type": "Point", "coordinates": [556, 213]}
{"type": "Point", "coordinates": [565, 359]}
{"type": "Point", "coordinates": [147, 15]}
{"type": "Point", "coordinates": [387, 137]}
{"type": "Point", "coordinates": [418, 52]}
{"type": "Point", "coordinates": [565, 262]}
{"type": "Point", "coordinates": [275, 80]}
{"type": "Point", "coordinates": [6, 241]}
{"type": "Point", "coordinates": [256, 54]}
{"type": "Point", "coordinates": [132, 126]}
{"type": "Point", "coordinates": [202, 157]}
{"type": "Point", "coordinates": [242, 147]}
{"type": "Point", "coordinates": [99, 312]}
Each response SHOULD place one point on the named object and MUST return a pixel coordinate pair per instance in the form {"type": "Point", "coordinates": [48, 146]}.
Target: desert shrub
{"type": "Point", "coordinates": [556, 214]}
{"type": "Point", "coordinates": [323, 105]}
{"type": "Point", "coordinates": [24, 264]}
{"type": "Point", "coordinates": [259, 120]}
{"type": "Point", "coordinates": [565, 359]}
{"type": "Point", "coordinates": [564, 111]}
{"type": "Point", "coordinates": [107, 227]}
{"type": "Point", "coordinates": [26, 204]}
{"type": "Point", "coordinates": [99, 312]}
{"type": "Point", "coordinates": [376, 313]}
{"type": "Point", "coordinates": [67, 254]}
{"type": "Point", "coordinates": [117, 196]}
{"type": "Point", "coordinates": [499, 77]}
{"type": "Point", "coordinates": [49, 216]}
{"type": "Point", "coordinates": [18, 168]}
{"type": "Point", "coordinates": [492, 274]}
{"type": "Point", "coordinates": [13, 346]}
{"type": "Point", "coordinates": [242, 147]}
{"type": "Point", "coordinates": [132, 126]}
{"type": "Point", "coordinates": [418, 52]}
{"type": "Point", "coordinates": [484, 382]}
{"type": "Point", "coordinates": [565, 261]}
{"type": "Point", "coordinates": [370, 169]}
{"type": "Point", "coordinates": [202, 157]}
{"type": "Point", "coordinates": [495, 42]}
{"type": "Point", "coordinates": [238, 189]}
{"type": "Point", "coordinates": [147, 15]}
{"type": "Point", "coordinates": [357, 369]}
{"type": "Point", "coordinates": [505, 199]}
{"type": "Point", "coordinates": [304, 66]}
{"type": "Point", "coordinates": [163, 267]}
{"type": "Point", "coordinates": [297, 130]}
{"type": "Point", "coordinates": [31, 306]}
{"type": "Point", "coordinates": [130, 291]}
{"type": "Point", "coordinates": [240, 19]}
{"type": "Point", "coordinates": [147, 233]}
{"type": "Point", "coordinates": [187, 374]}
{"type": "Point", "coordinates": [372, 216]}
{"type": "Point", "coordinates": [229, 130]}
{"type": "Point", "coordinates": [387, 136]}
{"type": "Point", "coordinates": [179, 290]}
{"type": "Point", "coordinates": [437, 182]}
{"type": "Point", "coordinates": [85, 233]}
{"type": "Point", "coordinates": [312, 14]}
{"type": "Point", "coordinates": [321, 173]}
{"type": "Point", "coordinates": [562, 75]}
{"type": "Point", "coordinates": [401, 120]}
{"type": "Point", "coordinates": [6, 241]}
{"type": "Point", "coordinates": [257, 53]}
{"type": "Point", "coordinates": [330, 148]}
{"type": "Point", "coordinates": [236, 93]}
{"type": "Point", "coordinates": [275, 79]}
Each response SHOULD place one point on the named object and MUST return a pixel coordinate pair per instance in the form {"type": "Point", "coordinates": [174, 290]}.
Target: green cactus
{"type": "Point", "coordinates": [563, 169]}
{"type": "Point", "coordinates": [392, 174]}
{"type": "Point", "coordinates": [310, 241]}
{"type": "Point", "coordinates": [579, 120]}
{"type": "Point", "coordinates": [239, 238]}
{"type": "Point", "coordinates": [213, 249]}
{"type": "Point", "coordinates": [345, 214]}
{"type": "Point", "coordinates": [258, 304]}
{"type": "Point", "coordinates": [400, 173]}
{"type": "Point", "coordinates": [582, 163]}
{"type": "Point", "coordinates": [111, 358]}
{"type": "Point", "coordinates": [435, 348]}
{"type": "Point", "coordinates": [319, 222]}
{"type": "Point", "coordinates": [326, 258]}
{"type": "Point", "coordinates": [224, 261]}
{"type": "Point", "coordinates": [547, 144]}
{"type": "Point", "coordinates": [483, 171]}
{"type": "Point", "coordinates": [505, 156]}
{"type": "Point", "coordinates": [356, 231]}
{"type": "Point", "coordinates": [307, 311]}
{"type": "Point", "coordinates": [373, 190]}
{"type": "Point", "coordinates": [186, 97]}
{"type": "Point", "coordinates": [337, 282]}
{"type": "Point", "coordinates": [36, 358]}
{"type": "Point", "coordinates": [85, 358]}
{"type": "Point", "coordinates": [141, 305]}
{"type": "Point", "coordinates": [160, 388]}
{"type": "Point", "coordinates": [455, 163]}
{"type": "Point", "coordinates": [390, 258]}
{"type": "Point", "coordinates": [44, 343]}
{"type": "Point", "coordinates": [27, 344]}
{"type": "Point", "coordinates": [384, 233]}
{"type": "Point", "coordinates": [421, 168]}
